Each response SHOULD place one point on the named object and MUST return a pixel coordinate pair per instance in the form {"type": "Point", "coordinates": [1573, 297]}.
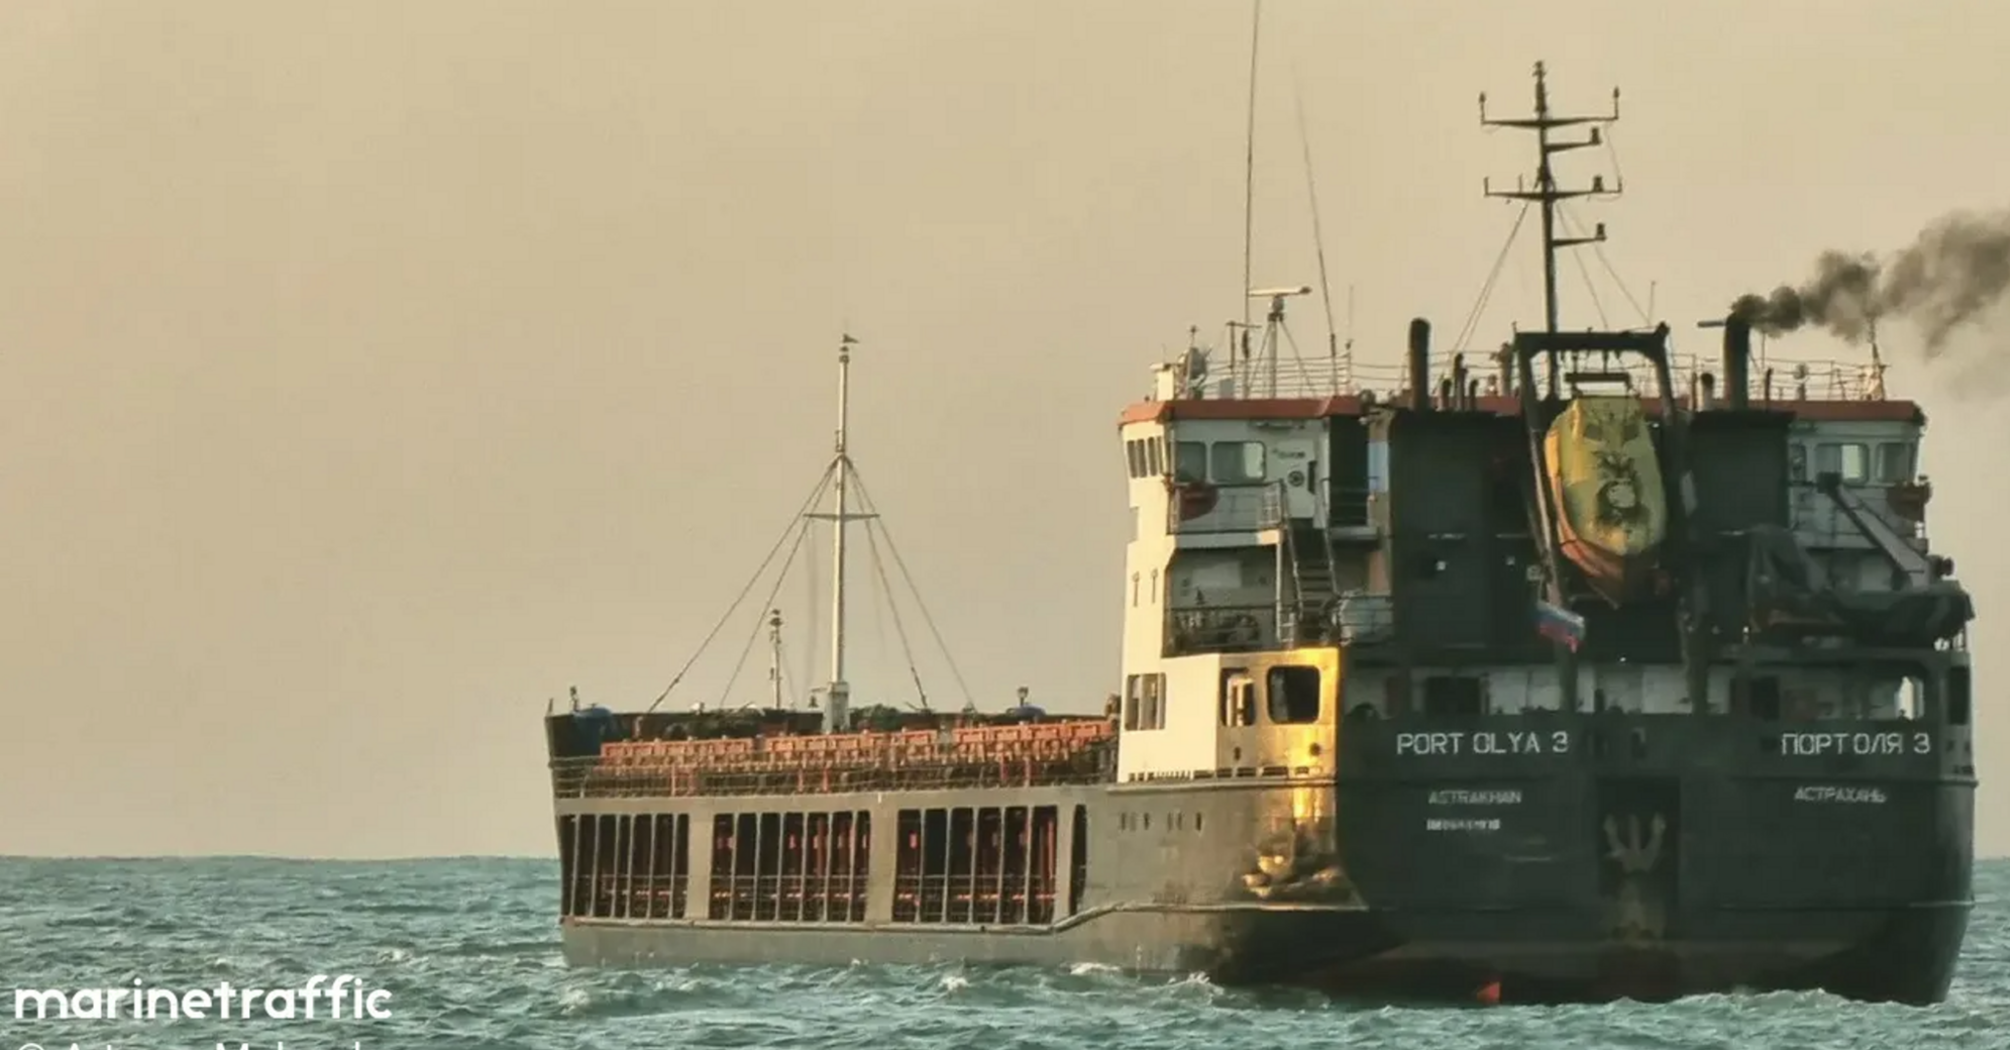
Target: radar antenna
{"type": "Point", "coordinates": [1273, 327]}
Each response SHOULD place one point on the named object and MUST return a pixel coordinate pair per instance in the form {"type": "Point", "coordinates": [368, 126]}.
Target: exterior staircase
{"type": "Point", "coordinates": [1304, 614]}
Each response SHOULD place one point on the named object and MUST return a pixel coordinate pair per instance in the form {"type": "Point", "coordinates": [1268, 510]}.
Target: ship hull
{"type": "Point", "coordinates": [1903, 955]}
{"type": "Point", "coordinates": [1433, 870]}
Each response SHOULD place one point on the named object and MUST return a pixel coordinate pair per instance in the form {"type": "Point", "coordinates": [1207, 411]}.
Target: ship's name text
{"type": "Point", "coordinates": [1823, 793]}
{"type": "Point", "coordinates": [1513, 742]}
{"type": "Point", "coordinates": [1816, 744]}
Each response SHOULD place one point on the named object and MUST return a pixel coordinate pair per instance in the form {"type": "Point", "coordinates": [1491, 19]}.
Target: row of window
{"type": "Point", "coordinates": [799, 867]}
{"type": "Point", "coordinates": [1857, 462]}
{"type": "Point", "coordinates": [1221, 462]}
{"type": "Point", "coordinates": [792, 867]}
{"type": "Point", "coordinates": [1146, 457]}
{"type": "Point", "coordinates": [985, 865]}
{"type": "Point", "coordinates": [624, 867]}
{"type": "Point", "coordinates": [1175, 821]}
{"type": "Point", "coordinates": [1872, 694]}
{"type": "Point", "coordinates": [1290, 696]}
{"type": "Point", "coordinates": [1245, 462]}
{"type": "Point", "coordinates": [1868, 696]}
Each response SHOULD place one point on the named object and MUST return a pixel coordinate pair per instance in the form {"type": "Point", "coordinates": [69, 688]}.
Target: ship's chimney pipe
{"type": "Point", "coordinates": [1769, 386]}
{"type": "Point", "coordinates": [1472, 394]}
{"type": "Point", "coordinates": [1506, 359]}
{"type": "Point", "coordinates": [1737, 362]}
{"type": "Point", "coordinates": [1459, 381]}
{"type": "Point", "coordinates": [1445, 392]}
{"type": "Point", "coordinates": [1708, 388]}
{"type": "Point", "coordinates": [1420, 364]}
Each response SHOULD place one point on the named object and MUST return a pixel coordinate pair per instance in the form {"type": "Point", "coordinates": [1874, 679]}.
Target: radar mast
{"type": "Point", "coordinates": [1547, 193]}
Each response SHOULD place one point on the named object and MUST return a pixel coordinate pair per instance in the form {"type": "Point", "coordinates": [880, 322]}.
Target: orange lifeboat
{"type": "Point", "coordinates": [1605, 482]}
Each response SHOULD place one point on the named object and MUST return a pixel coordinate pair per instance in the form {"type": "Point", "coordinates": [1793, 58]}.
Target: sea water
{"type": "Point", "coordinates": [467, 952]}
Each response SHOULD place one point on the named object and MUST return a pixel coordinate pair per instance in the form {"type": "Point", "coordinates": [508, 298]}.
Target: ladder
{"type": "Point", "coordinates": [1307, 553]}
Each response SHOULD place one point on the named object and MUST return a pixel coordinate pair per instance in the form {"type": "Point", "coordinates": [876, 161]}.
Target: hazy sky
{"type": "Point", "coordinates": [373, 371]}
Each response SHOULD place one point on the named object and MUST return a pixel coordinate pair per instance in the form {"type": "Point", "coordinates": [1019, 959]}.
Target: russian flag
{"type": "Point", "coordinates": [1559, 624]}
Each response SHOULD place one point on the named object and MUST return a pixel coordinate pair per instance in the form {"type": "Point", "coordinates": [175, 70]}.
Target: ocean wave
{"type": "Point", "coordinates": [470, 952]}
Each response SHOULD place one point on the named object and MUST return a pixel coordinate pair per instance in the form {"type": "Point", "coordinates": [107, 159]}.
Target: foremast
{"type": "Point", "coordinates": [837, 692]}
{"type": "Point", "coordinates": [841, 475]}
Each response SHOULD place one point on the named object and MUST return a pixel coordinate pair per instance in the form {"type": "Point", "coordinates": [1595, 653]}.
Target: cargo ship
{"type": "Point", "coordinates": [1590, 672]}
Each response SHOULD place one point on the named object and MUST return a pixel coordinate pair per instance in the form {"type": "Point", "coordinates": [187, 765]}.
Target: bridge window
{"type": "Point", "coordinates": [1236, 462]}
{"type": "Point", "coordinates": [1190, 461]}
{"type": "Point", "coordinates": [1894, 462]}
{"type": "Point", "coordinates": [1855, 462]}
{"type": "Point", "coordinates": [1797, 462]}
{"type": "Point", "coordinates": [1134, 456]}
{"type": "Point", "coordinates": [1294, 695]}
{"type": "Point", "coordinates": [1155, 458]}
{"type": "Point", "coordinates": [1850, 459]}
{"type": "Point", "coordinates": [1238, 699]}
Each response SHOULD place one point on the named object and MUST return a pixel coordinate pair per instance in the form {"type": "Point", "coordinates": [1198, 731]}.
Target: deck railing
{"type": "Point", "coordinates": [1070, 752]}
{"type": "Point", "coordinates": [1793, 378]}
{"type": "Point", "coordinates": [1199, 507]}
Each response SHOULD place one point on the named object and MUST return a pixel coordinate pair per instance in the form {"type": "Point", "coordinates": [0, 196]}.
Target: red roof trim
{"type": "Point", "coordinates": [1242, 408]}
{"type": "Point", "coordinates": [1307, 408]}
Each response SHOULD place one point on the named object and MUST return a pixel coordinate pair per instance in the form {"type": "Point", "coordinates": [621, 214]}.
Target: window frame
{"type": "Point", "coordinates": [1236, 702]}
{"type": "Point", "coordinates": [1288, 680]}
{"type": "Point", "coordinates": [1186, 456]}
{"type": "Point", "coordinates": [1902, 470]}
{"type": "Point", "coordinates": [1239, 449]}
